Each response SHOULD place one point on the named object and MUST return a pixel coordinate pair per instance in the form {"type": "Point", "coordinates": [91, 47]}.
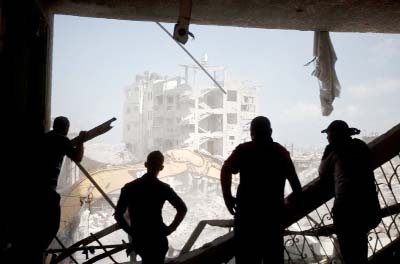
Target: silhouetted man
{"type": "Point", "coordinates": [264, 166]}
{"type": "Point", "coordinates": [55, 146]}
{"type": "Point", "coordinates": [347, 167]}
{"type": "Point", "coordinates": [40, 217]}
{"type": "Point", "coordinates": [144, 198]}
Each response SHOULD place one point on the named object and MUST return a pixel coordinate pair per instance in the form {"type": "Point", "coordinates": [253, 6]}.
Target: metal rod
{"type": "Point", "coordinates": [386, 204]}
{"type": "Point", "coordinates": [103, 248]}
{"type": "Point", "coordinates": [318, 238]}
{"type": "Point", "coordinates": [330, 236]}
{"type": "Point", "coordinates": [300, 251]}
{"type": "Point", "coordinates": [191, 56]}
{"type": "Point", "coordinates": [59, 250]}
{"type": "Point", "coordinates": [62, 245]}
{"type": "Point", "coordinates": [83, 242]}
{"type": "Point", "coordinates": [103, 255]}
{"type": "Point", "coordinates": [105, 196]}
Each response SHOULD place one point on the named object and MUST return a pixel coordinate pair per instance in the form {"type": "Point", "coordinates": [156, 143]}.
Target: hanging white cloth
{"type": "Point", "coordinates": [325, 59]}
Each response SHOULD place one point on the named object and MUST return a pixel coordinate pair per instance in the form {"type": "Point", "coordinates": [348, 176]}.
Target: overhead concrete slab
{"type": "Point", "coordinates": [331, 15]}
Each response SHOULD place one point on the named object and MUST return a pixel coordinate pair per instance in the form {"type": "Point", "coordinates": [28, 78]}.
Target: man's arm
{"type": "Point", "coordinates": [78, 153]}
{"type": "Point", "coordinates": [120, 210]}
{"type": "Point", "coordinates": [231, 166]}
{"type": "Point", "coordinates": [75, 153]}
{"type": "Point", "coordinates": [326, 167]}
{"type": "Point", "coordinates": [226, 184]}
{"type": "Point", "coordinates": [290, 170]}
{"type": "Point", "coordinates": [181, 211]}
{"type": "Point", "coordinates": [293, 178]}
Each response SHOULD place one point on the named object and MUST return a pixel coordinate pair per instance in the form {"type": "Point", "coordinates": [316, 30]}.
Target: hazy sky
{"type": "Point", "coordinates": [95, 59]}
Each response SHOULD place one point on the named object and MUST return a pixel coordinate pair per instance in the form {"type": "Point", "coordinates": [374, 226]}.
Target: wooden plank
{"type": "Point", "coordinates": [94, 132]}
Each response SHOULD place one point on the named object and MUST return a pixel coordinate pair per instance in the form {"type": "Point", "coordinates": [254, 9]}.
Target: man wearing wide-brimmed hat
{"type": "Point", "coordinates": [346, 166]}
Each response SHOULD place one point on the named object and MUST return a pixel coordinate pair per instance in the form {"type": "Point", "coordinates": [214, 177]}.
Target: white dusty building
{"type": "Point", "coordinates": [164, 113]}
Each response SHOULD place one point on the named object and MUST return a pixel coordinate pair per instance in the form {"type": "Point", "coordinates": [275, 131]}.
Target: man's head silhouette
{"type": "Point", "coordinates": [339, 131]}
{"type": "Point", "coordinates": [260, 128]}
{"type": "Point", "coordinates": [61, 125]}
{"type": "Point", "coordinates": [154, 162]}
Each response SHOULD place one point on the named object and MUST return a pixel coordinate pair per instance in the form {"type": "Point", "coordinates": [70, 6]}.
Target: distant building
{"type": "Point", "coordinates": [164, 113]}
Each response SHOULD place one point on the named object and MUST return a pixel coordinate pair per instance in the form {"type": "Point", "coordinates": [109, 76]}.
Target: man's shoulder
{"type": "Point", "coordinates": [142, 183]}
{"type": "Point", "coordinates": [280, 149]}
{"type": "Point", "coordinates": [163, 185]}
{"type": "Point", "coordinates": [251, 146]}
{"type": "Point", "coordinates": [52, 136]}
{"type": "Point", "coordinates": [245, 146]}
{"type": "Point", "coordinates": [131, 184]}
{"type": "Point", "coordinates": [359, 143]}
{"type": "Point", "coordinates": [361, 150]}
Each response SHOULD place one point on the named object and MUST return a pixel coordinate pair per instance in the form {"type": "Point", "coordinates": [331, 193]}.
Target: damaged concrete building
{"type": "Point", "coordinates": [176, 112]}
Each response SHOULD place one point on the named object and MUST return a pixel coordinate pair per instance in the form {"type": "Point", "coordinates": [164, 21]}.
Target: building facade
{"type": "Point", "coordinates": [165, 113]}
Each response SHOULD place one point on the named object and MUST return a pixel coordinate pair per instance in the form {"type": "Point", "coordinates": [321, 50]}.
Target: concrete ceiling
{"type": "Point", "coordinates": [332, 15]}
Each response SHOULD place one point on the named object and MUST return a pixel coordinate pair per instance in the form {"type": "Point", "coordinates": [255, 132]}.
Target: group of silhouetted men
{"type": "Point", "coordinates": [258, 207]}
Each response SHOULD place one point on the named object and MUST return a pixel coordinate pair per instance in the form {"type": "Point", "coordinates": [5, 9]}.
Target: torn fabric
{"type": "Point", "coordinates": [325, 59]}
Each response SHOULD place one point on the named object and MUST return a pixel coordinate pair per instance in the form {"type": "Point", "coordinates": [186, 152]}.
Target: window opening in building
{"type": "Point", "coordinates": [231, 119]}
{"type": "Point", "coordinates": [232, 95]}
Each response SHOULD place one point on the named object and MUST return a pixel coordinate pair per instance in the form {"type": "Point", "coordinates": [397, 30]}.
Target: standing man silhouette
{"type": "Point", "coordinates": [258, 208]}
{"type": "Point", "coordinates": [144, 198]}
{"type": "Point", "coordinates": [55, 146]}
{"type": "Point", "coordinates": [346, 167]}
{"type": "Point", "coordinates": [42, 209]}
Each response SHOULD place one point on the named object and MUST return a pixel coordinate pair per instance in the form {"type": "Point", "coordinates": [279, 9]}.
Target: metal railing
{"type": "Point", "coordinates": [312, 239]}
